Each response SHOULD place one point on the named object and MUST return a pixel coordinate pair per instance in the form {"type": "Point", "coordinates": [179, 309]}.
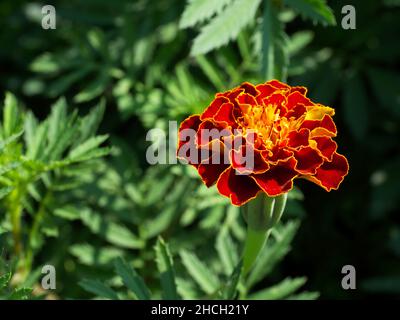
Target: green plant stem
{"type": "Point", "coordinates": [39, 216]}
{"type": "Point", "coordinates": [255, 241]}
{"type": "Point", "coordinates": [261, 214]}
{"type": "Point", "coordinates": [267, 63]}
{"type": "Point", "coordinates": [15, 212]}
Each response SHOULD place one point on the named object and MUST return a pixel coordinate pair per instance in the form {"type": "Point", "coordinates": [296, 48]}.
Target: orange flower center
{"type": "Point", "coordinates": [266, 121]}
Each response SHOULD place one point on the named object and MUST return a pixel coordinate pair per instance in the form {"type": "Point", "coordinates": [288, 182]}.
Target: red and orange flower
{"type": "Point", "coordinates": [291, 138]}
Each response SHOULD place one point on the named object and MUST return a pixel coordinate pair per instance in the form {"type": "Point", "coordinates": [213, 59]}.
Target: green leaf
{"type": "Point", "coordinates": [21, 294]}
{"type": "Point", "coordinates": [11, 116]}
{"type": "Point", "coordinates": [166, 269]}
{"type": "Point", "coordinates": [197, 11]}
{"type": "Point", "coordinates": [226, 26]}
{"type": "Point", "coordinates": [205, 278]}
{"type": "Point", "coordinates": [272, 254]}
{"type": "Point", "coordinates": [212, 72]}
{"type": "Point", "coordinates": [5, 191]}
{"type": "Point", "coordinates": [85, 151]}
{"type": "Point", "coordinates": [90, 123]}
{"type": "Point", "coordinates": [90, 255]}
{"type": "Point", "coordinates": [356, 107]}
{"type": "Point", "coordinates": [132, 280]}
{"type": "Point", "coordinates": [5, 279]}
{"type": "Point", "coordinates": [279, 291]}
{"type": "Point", "coordinates": [68, 213]}
{"type": "Point", "coordinates": [306, 295]}
{"type": "Point", "coordinates": [10, 139]}
{"type": "Point", "coordinates": [94, 88]}
{"type": "Point", "coordinates": [316, 10]}
{"type": "Point", "coordinates": [45, 63]}
{"type": "Point", "coordinates": [227, 251]}
{"type": "Point", "coordinates": [111, 231]}
{"type": "Point", "coordinates": [99, 289]}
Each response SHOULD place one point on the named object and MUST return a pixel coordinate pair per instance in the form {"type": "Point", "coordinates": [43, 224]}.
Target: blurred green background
{"type": "Point", "coordinates": [133, 56]}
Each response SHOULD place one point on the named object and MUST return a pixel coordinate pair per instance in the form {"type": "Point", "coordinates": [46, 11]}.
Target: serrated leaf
{"type": "Point", "coordinates": [280, 290]}
{"type": "Point", "coordinates": [226, 26]}
{"type": "Point", "coordinates": [197, 11]}
{"type": "Point", "coordinates": [166, 269]}
{"type": "Point", "coordinates": [99, 289]}
{"type": "Point", "coordinates": [132, 280]}
{"type": "Point", "coordinates": [316, 10]}
{"type": "Point", "coordinates": [204, 277]}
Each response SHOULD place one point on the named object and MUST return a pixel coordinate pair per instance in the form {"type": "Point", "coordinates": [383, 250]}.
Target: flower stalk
{"type": "Point", "coordinates": [261, 215]}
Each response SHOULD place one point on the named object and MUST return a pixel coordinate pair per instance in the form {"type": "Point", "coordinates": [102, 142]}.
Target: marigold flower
{"type": "Point", "coordinates": [291, 138]}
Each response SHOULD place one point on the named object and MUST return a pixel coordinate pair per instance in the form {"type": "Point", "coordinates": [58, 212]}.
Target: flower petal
{"type": "Point", "coordinates": [298, 138]}
{"type": "Point", "coordinates": [239, 188]}
{"type": "Point", "coordinates": [277, 180]}
{"type": "Point", "coordinates": [308, 160]}
{"type": "Point", "coordinates": [296, 98]}
{"type": "Point", "coordinates": [326, 146]}
{"type": "Point", "coordinates": [246, 160]}
{"type": "Point", "coordinates": [331, 174]}
{"type": "Point", "coordinates": [224, 115]}
{"type": "Point", "coordinates": [213, 108]}
{"type": "Point", "coordinates": [277, 84]}
{"type": "Point", "coordinates": [210, 172]}
{"type": "Point", "coordinates": [324, 127]}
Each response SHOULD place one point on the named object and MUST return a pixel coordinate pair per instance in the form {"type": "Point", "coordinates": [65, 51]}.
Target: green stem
{"type": "Point", "coordinates": [255, 241]}
{"type": "Point", "coordinates": [33, 234]}
{"type": "Point", "coordinates": [261, 215]}
{"type": "Point", "coordinates": [15, 211]}
{"type": "Point", "coordinates": [267, 64]}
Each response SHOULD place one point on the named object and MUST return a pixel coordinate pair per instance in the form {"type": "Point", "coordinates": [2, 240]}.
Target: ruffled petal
{"type": "Point", "coordinates": [208, 131]}
{"type": "Point", "coordinates": [224, 115]}
{"type": "Point", "coordinates": [277, 84]}
{"type": "Point", "coordinates": [239, 188]}
{"type": "Point", "coordinates": [331, 174]}
{"type": "Point", "coordinates": [324, 127]}
{"type": "Point", "coordinates": [326, 146]}
{"type": "Point", "coordinates": [210, 172]}
{"type": "Point", "coordinates": [246, 160]}
{"type": "Point", "coordinates": [298, 138]}
{"type": "Point", "coordinates": [278, 179]}
{"type": "Point", "coordinates": [296, 98]}
{"type": "Point", "coordinates": [213, 108]}
{"type": "Point", "coordinates": [308, 160]}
